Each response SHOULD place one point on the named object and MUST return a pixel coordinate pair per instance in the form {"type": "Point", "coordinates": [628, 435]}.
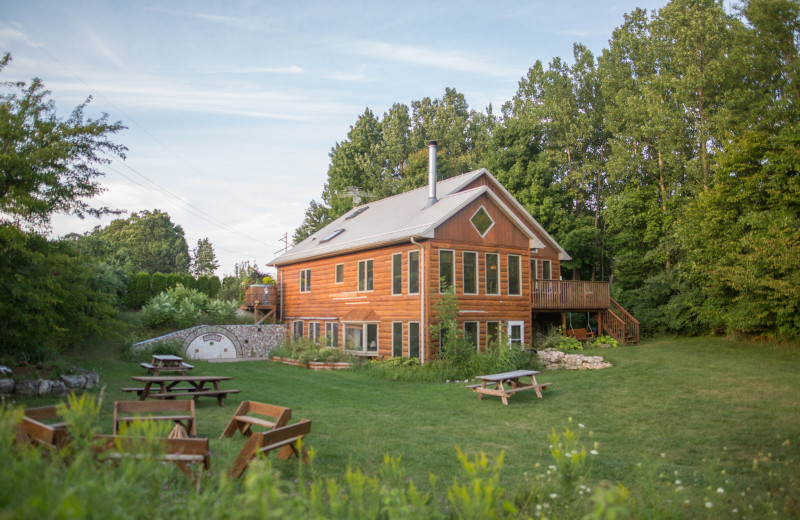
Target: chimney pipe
{"type": "Point", "coordinates": [431, 173]}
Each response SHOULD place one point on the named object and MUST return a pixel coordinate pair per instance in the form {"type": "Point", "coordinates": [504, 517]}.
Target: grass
{"type": "Point", "coordinates": [695, 406]}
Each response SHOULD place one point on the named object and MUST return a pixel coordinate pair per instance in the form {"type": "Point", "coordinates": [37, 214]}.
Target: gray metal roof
{"type": "Point", "coordinates": [401, 217]}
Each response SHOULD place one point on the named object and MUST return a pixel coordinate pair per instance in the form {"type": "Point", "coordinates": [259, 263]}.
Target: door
{"type": "Point", "coordinates": [516, 332]}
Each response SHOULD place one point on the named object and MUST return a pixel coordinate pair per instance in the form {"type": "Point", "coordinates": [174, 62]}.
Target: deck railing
{"type": "Point", "coordinates": [265, 295]}
{"type": "Point", "coordinates": [569, 295]}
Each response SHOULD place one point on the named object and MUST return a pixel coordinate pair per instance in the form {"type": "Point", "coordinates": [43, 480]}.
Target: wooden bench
{"type": "Point", "coordinates": [280, 417]}
{"type": "Point", "coordinates": [154, 411]}
{"type": "Point", "coordinates": [286, 438]}
{"type": "Point", "coordinates": [183, 452]}
{"type": "Point", "coordinates": [43, 426]}
{"type": "Point", "coordinates": [512, 390]}
{"type": "Point", "coordinates": [580, 334]}
{"type": "Point", "coordinates": [195, 394]}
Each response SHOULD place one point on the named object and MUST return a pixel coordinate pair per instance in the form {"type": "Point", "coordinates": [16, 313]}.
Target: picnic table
{"type": "Point", "coordinates": [166, 363]}
{"type": "Point", "coordinates": [507, 384]}
{"type": "Point", "coordinates": [168, 387]}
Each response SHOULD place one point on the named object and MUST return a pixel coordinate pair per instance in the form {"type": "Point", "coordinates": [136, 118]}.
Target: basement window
{"type": "Point", "coordinates": [482, 221]}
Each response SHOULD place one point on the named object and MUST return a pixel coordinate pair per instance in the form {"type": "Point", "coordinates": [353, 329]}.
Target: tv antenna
{"type": "Point", "coordinates": [356, 193]}
{"type": "Point", "coordinates": [285, 240]}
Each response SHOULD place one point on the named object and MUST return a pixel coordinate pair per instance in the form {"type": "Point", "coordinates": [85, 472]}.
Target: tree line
{"type": "Point", "coordinates": [667, 164]}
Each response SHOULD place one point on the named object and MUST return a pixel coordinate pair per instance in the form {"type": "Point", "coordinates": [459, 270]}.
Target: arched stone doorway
{"type": "Point", "coordinates": [210, 342]}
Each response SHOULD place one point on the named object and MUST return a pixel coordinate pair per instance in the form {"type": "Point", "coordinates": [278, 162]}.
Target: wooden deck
{"type": "Point", "coordinates": [568, 295]}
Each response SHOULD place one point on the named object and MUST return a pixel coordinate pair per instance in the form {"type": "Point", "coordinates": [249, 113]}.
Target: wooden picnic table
{"type": "Point", "coordinates": [166, 363]}
{"type": "Point", "coordinates": [507, 384]}
{"type": "Point", "coordinates": [194, 387]}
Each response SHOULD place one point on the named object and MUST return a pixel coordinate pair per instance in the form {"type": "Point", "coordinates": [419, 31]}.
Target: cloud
{"type": "Point", "coordinates": [428, 57]}
{"type": "Point", "coordinates": [292, 69]}
{"type": "Point", "coordinates": [9, 34]}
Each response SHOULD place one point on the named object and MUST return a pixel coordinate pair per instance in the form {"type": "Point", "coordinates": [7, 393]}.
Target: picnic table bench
{"type": "Point", "coordinates": [180, 412]}
{"type": "Point", "coordinates": [166, 363]}
{"type": "Point", "coordinates": [186, 453]}
{"type": "Point", "coordinates": [507, 384]}
{"type": "Point", "coordinates": [43, 426]}
{"type": "Point", "coordinates": [168, 387]}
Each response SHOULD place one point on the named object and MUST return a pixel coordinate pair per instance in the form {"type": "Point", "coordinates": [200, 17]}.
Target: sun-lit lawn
{"type": "Point", "coordinates": [695, 407]}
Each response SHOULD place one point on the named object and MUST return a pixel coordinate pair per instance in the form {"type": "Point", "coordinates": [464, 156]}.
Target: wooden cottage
{"type": "Point", "coordinates": [365, 283]}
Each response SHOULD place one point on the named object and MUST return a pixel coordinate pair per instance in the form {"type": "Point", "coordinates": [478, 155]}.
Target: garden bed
{"type": "Point", "coordinates": [313, 365]}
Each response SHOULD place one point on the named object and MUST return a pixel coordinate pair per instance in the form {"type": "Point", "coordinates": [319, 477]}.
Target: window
{"type": "Point", "coordinates": [361, 337]}
{"type": "Point", "coordinates": [493, 333]}
{"type": "Point", "coordinates": [397, 339]}
{"type": "Point", "coordinates": [472, 334]}
{"type": "Point", "coordinates": [413, 272]}
{"type": "Point", "coordinates": [297, 330]}
{"type": "Point", "coordinates": [514, 275]}
{"type": "Point", "coordinates": [397, 273]}
{"type": "Point", "coordinates": [313, 331]}
{"type": "Point", "coordinates": [305, 280]}
{"type": "Point", "coordinates": [546, 274]}
{"type": "Point", "coordinates": [534, 270]}
{"type": "Point", "coordinates": [365, 275]}
{"type": "Point", "coordinates": [413, 340]}
{"type": "Point", "coordinates": [516, 332]}
{"type": "Point", "coordinates": [357, 212]}
{"type": "Point", "coordinates": [332, 335]}
{"type": "Point", "coordinates": [470, 261]}
{"type": "Point", "coordinates": [492, 273]}
{"type": "Point", "coordinates": [339, 273]}
{"type": "Point", "coordinates": [482, 221]}
{"type": "Point", "coordinates": [331, 236]}
{"type": "Point", "coordinates": [446, 268]}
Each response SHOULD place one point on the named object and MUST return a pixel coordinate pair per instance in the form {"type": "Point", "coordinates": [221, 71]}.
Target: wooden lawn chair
{"type": "Point", "coordinates": [279, 416]}
{"type": "Point", "coordinates": [43, 426]}
{"type": "Point", "coordinates": [285, 437]}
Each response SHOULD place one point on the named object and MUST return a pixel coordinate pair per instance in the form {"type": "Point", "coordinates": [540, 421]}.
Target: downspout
{"type": "Point", "coordinates": [422, 320]}
{"type": "Point", "coordinates": [280, 289]}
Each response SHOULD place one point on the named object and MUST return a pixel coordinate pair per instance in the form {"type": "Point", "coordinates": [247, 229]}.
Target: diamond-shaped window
{"type": "Point", "coordinates": [482, 221]}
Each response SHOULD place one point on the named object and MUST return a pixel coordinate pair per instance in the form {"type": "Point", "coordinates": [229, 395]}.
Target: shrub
{"type": "Point", "coordinates": [173, 279]}
{"type": "Point", "coordinates": [558, 341]}
{"type": "Point", "coordinates": [158, 283]}
{"type": "Point", "coordinates": [159, 311]}
{"type": "Point", "coordinates": [214, 286]}
{"type": "Point", "coordinates": [138, 290]}
{"type": "Point", "coordinates": [221, 311]}
{"type": "Point", "coordinates": [188, 281]}
{"type": "Point", "coordinates": [202, 285]}
{"type": "Point", "coordinates": [605, 339]}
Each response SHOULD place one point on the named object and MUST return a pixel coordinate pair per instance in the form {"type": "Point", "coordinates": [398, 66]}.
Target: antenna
{"type": "Point", "coordinates": [285, 240]}
{"type": "Point", "coordinates": [356, 193]}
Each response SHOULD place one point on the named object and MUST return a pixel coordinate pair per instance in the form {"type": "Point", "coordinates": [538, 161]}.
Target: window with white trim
{"type": "Point", "coordinates": [397, 273]}
{"type": "Point", "coordinates": [313, 331]}
{"type": "Point", "coordinates": [492, 273]}
{"type": "Point", "coordinates": [361, 337]}
{"type": "Point", "coordinates": [514, 275]}
{"type": "Point", "coordinates": [339, 273]}
{"type": "Point", "coordinates": [472, 333]}
{"type": "Point", "coordinates": [413, 272]}
{"type": "Point", "coordinates": [413, 339]}
{"type": "Point", "coordinates": [482, 221]}
{"type": "Point", "coordinates": [297, 330]}
{"type": "Point", "coordinates": [365, 275]}
{"type": "Point", "coordinates": [493, 333]}
{"type": "Point", "coordinates": [447, 269]}
{"type": "Point", "coordinates": [470, 269]}
{"type": "Point", "coordinates": [546, 268]}
{"type": "Point", "coordinates": [534, 269]}
{"type": "Point", "coordinates": [397, 339]}
{"type": "Point", "coordinates": [332, 334]}
{"type": "Point", "coordinates": [305, 280]}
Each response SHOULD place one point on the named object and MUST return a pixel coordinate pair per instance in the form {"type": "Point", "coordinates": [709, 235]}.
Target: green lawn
{"type": "Point", "coordinates": [694, 406]}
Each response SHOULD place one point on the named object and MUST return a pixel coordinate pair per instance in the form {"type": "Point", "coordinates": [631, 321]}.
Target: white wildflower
{"type": "Point", "coordinates": [594, 452]}
{"type": "Point", "coordinates": [720, 490]}
{"type": "Point", "coordinates": [709, 505]}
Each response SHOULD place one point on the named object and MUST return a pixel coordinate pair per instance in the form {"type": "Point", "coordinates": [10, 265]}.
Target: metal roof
{"type": "Point", "coordinates": [399, 218]}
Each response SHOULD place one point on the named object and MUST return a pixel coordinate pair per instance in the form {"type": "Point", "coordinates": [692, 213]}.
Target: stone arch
{"type": "Point", "coordinates": [212, 342]}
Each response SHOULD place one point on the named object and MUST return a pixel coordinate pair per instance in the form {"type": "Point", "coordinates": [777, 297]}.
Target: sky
{"type": "Point", "coordinates": [232, 108]}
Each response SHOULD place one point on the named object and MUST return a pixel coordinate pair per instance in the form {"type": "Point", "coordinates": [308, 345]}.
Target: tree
{"type": "Point", "coordinates": [204, 261]}
{"type": "Point", "coordinates": [154, 243]}
{"type": "Point", "coordinates": [49, 164]}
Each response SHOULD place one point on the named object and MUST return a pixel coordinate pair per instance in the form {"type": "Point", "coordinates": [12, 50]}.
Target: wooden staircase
{"type": "Point", "coordinates": [619, 324]}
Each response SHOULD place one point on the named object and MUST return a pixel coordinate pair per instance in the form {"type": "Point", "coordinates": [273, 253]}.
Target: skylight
{"type": "Point", "coordinates": [332, 235]}
{"type": "Point", "coordinates": [357, 212]}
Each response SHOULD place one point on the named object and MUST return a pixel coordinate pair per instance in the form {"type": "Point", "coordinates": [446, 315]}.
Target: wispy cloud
{"type": "Point", "coordinates": [292, 69]}
{"type": "Point", "coordinates": [428, 57]}
{"type": "Point", "coordinates": [9, 33]}
{"type": "Point", "coordinates": [213, 18]}
{"type": "Point", "coordinates": [101, 47]}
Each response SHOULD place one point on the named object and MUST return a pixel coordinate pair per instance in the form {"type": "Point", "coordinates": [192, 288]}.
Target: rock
{"type": "Point", "coordinates": [6, 386]}
{"type": "Point", "coordinates": [554, 359]}
{"type": "Point", "coordinates": [27, 387]}
{"type": "Point", "coordinates": [74, 382]}
{"type": "Point", "coordinates": [58, 388]}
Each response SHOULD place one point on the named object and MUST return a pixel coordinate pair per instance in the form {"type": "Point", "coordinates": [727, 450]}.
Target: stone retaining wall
{"type": "Point", "coordinates": [553, 359]}
{"type": "Point", "coordinates": [85, 380]}
{"type": "Point", "coordinates": [225, 341]}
